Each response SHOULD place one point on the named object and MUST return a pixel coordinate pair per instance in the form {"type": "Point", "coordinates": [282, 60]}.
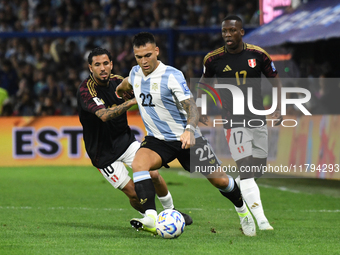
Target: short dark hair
{"type": "Point", "coordinates": [233, 17]}
{"type": "Point", "coordinates": [142, 38]}
{"type": "Point", "coordinates": [97, 52]}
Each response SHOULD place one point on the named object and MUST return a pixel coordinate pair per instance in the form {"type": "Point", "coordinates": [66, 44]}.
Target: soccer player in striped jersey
{"type": "Point", "coordinates": [170, 116]}
{"type": "Point", "coordinates": [109, 141]}
{"type": "Point", "coordinates": [241, 64]}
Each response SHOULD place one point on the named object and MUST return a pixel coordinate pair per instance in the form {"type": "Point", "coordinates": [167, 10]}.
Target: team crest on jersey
{"type": "Point", "coordinates": [252, 62]}
{"type": "Point", "coordinates": [136, 85]}
{"type": "Point", "coordinates": [154, 86]}
{"type": "Point", "coordinates": [98, 101]}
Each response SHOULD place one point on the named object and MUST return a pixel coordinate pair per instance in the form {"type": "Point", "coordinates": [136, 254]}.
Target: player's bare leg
{"type": "Point", "coordinates": [159, 183]}
{"type": "Point", "coordinates": [251, 192]}
{"type": "Point", "coordinates": [130, 192]}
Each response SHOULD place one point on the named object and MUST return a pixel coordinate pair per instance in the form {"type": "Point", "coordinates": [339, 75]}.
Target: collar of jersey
{"type": "Point", "coordinates": [95, 82]}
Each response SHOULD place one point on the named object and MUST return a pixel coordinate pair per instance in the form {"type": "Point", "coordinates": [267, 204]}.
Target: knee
{"type": "Point", "coordinates": [137, 166]}
{"type": "Point", "coordinates": [154, 176]}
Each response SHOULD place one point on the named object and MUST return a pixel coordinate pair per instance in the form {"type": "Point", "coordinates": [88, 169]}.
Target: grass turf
{"type": "Point", "coordinates": [74, 210]}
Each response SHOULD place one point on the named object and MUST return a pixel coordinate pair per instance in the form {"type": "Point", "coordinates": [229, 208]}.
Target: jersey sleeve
{"type": "Point", "coordinates": [268, 67]}
{"type": "Point", "coordinates": [117, 78]}
{"type": "Point", "coordinates": [132, 74]}
{"type": "Point", "coordinates": [88, 99]}
{"type": "Point", "coordinates": [208, 71]}
{"type": "Point", "coordinates": [178, 85]}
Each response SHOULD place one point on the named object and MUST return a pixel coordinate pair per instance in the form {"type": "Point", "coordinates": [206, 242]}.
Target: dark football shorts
{"type": "Point", "coordinates": [199, 156]}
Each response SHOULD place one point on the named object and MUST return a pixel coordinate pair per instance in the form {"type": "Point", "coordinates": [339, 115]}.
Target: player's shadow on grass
{"type": "Point", "coordinates": [116, 229]}
{"type": "Point", "coordinates": [111, 227]}
{"type": "Point", "coordinates": [175, 183]}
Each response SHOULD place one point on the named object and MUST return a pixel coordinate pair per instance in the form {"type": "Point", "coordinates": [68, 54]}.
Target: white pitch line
{"type": "Point", "coordinates": [282, 188]}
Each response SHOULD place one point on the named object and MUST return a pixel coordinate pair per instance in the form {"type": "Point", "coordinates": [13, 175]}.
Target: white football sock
{"type": "Point", "coordinates": [167, 201]}
{"type": "Point", "coordinates": [237, 180]}
{"type": "Point", "coordinates": [251, 194]}
{"type": "Point", "coordinates": [242, 211]}
{"type": "Point", "coordinates": [151, 213]}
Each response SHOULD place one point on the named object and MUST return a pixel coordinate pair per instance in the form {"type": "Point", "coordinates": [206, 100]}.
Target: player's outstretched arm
{"type": "Point", "coordinates": [113, 112]}
{"type": "Point", "coordinates": [123, 86]}
{"type": "Point", "coordinates": [188, 138]}
{"type": "Point", "coordinates": [276, 82]}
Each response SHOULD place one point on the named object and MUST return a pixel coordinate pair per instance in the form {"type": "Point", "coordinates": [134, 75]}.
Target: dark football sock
{"type": "Point", "coordinates": [233, 193]}
{"type": "Point", "coordinates": [145, 189]}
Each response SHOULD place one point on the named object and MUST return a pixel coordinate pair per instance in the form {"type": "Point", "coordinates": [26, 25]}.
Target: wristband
{"type": "Point", "coordinates": [190, 128]}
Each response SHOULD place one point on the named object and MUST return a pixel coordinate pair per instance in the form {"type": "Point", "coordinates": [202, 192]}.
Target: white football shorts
{"type": "Point", "coordinates": [116, 173]}
{"type": "Point", "coordinates": [245, 142]}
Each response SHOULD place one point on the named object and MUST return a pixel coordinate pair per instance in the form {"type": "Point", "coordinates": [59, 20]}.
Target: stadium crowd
{"type": "Point", "coordinates": [39, 75]}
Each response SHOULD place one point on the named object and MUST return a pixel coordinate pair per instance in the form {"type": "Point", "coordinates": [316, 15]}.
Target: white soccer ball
{"type": "Point", "coordinates": [170, 224]}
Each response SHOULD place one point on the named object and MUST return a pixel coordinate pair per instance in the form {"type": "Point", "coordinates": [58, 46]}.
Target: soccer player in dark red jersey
{"type": "Point", "coordinates": [241, 64]}
{"type": "Point", "coordinates": [109, 141]}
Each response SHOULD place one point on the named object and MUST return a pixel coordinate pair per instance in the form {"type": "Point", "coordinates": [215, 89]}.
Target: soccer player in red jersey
{"type": "Point", "coordinates": [241, 64]}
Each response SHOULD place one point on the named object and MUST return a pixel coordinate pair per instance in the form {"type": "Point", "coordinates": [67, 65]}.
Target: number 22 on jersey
{"type": "Point", "coordinates": [146, 100]}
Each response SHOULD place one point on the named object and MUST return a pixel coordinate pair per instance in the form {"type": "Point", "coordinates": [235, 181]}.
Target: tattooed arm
{"type": "Point", "coordinates": [190, 107]}
{"type": "Point", "coordinates": [188, 138]}
{"type": "Point", "coordinates": [123, 86]}
{"type": "Point", "coordinates": [113, 112]}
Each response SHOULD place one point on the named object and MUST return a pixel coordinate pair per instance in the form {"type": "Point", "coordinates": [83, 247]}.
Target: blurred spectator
{"type": "Point", "coordinates": [45, 72]}
{"type": "Point", "coordinates": [25, 105]}
{"type": "Point", "coordinates": [39, 81]}
{"type": "Point", "coordinates": [57, 48]}
{"type": "Point", "coordinates": [8, 77]}
{"type": "Point", "coordinates": [69, 102]}
{"type": "Point", "coordinates": [3, 98]}
{"type": "Point", "coordinates": [53, 89]}
{"type": "Point", "coordinates": [47, 107]}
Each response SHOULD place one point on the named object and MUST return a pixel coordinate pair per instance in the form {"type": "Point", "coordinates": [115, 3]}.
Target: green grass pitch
{"type": "Point", "coordinates": [74, 210]}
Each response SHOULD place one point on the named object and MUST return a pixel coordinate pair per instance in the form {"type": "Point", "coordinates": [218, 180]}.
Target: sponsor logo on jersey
{"type": "Point", "coordinates": [227, 68]}
{"type": "Point", "coordinates": [98, 101]}
{"type": "Point", "coordinates": [185, 86]}
{"type": "Point", "coordinates": [136, 85]}
{"type": "Point", "coordinates": [273, 67]}
{"type": "Point", "coordinates": [252, 62]}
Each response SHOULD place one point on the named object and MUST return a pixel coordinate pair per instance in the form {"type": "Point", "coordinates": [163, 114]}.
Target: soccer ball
{"type": "Point", "coordinates": [170, 224]}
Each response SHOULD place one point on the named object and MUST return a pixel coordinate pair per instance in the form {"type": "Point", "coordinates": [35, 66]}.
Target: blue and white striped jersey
{"type": "Point", "coordinates": [158, 96]}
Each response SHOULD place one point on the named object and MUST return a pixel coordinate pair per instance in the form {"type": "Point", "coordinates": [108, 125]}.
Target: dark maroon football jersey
{"type": "Point", "coordinates": [242, 70]}
{"type": "Point", "coordinates": [106, 141]}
